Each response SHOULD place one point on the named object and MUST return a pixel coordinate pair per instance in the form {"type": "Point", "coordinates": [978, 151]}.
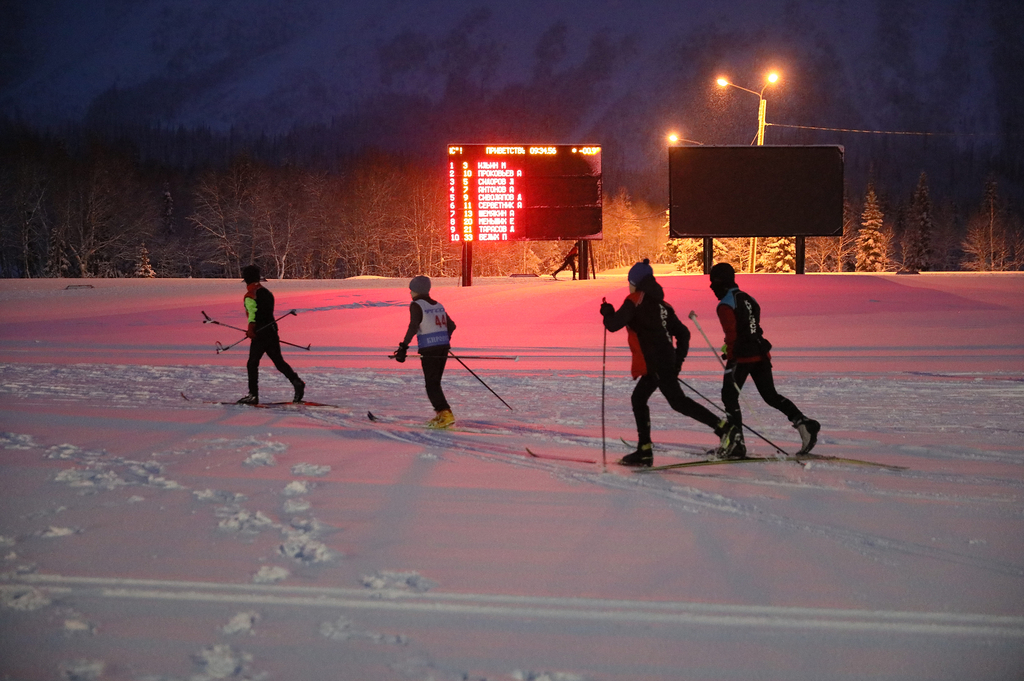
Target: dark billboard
{"type": "Point", "coordinates": [755, 191]}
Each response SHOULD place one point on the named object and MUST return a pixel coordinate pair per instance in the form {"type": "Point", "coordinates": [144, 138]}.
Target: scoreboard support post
{"type": "Point", "coordinates": [467, 263]}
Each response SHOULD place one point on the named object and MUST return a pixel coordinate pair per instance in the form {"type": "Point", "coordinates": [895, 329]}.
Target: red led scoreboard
{"type": "Point", "coordinates": [524, 192]}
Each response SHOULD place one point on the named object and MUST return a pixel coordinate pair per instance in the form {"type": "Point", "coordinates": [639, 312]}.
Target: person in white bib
{"type": "Point", "coordinates": [433, 328]}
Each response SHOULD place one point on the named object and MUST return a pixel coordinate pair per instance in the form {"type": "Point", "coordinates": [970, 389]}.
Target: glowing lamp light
{"type": "Point", "coordinates": [673, 138]}
{"type": "Point", "coordinates": [772, 77]}
{"type": "Point", "coordinates": [723, 82]}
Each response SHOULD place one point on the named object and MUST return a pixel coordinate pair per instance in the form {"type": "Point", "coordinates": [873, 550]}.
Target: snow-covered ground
{"type": "Point", "coordinates": [144, 536]}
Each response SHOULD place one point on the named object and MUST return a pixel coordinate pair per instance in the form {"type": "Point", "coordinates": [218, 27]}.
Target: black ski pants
{"type": "Point", "coordinates": [761, 373]}
{"type": "Point", "coordinates": [433, 361]}
{"type": "Point", "coordinates": [266, 343]}
{"type": "Point", "coordinates": [668, 383]}
{"type": "Point", "coordinates": [569, 262]}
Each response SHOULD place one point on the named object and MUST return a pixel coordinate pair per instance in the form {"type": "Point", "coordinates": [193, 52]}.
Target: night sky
{"type": "Point", "coordinates": [413, 76]}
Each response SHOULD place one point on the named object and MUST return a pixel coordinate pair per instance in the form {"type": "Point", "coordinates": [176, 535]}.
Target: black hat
{"type": "Point", "coordinates": [723, 273]}
{"type": "Point", "coordinates": [250, 274]}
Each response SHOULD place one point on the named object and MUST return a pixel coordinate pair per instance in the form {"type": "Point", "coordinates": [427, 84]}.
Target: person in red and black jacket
{"type": "Point", "coordinates": [748, 353]}
{"type": "Point", "coordinates": [659, 342]}
{"type": "Point", "coordinates": [570, 261]}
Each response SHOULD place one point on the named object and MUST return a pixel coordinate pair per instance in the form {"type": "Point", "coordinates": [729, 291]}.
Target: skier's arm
{"type": "Point", "coordinates": [727, 316]}
{"type": "Point", "coordinates": [415, 319]}
{"type": "Point", "coordinates": [682, 336]}
{"type": "Point", "coordinates": [621, 317]}
{"type": "Point", "coordinates": [451, 326]}
{"type": "Point", "coordinates": [250, 311]}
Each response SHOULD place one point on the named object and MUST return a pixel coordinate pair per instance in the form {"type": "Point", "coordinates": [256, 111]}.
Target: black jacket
{"type": "Point", "coordinates": [658, 339]}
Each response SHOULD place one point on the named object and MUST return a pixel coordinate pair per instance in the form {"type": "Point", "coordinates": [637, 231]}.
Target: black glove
{"type": "Point", "coordinates": [680, 356]}
{"type": "Point", "coordinates": [607, 310]}
{"type": "Point", "coordinates": [401, 352]}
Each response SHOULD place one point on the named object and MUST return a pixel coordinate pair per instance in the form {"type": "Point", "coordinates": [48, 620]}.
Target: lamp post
{"type": "Point", "coordinates": [761, 105]}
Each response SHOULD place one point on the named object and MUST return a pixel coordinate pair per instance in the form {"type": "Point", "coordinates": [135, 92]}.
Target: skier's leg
{"type": "Point", "coordinates": [765, 382]}
{"type": "Point", "coordinates": [433, 370]}
{"type": "Point", "coordinates": [252, 367]}
{"type": "Point", "coordinates": [274, 353]}
{"type": "Point", "coordinates": [732, 383]}
{"type": "Point", "coordinates": [669, 385]}
{"type": "Point", "coordinates": [645, 387]}
{"type": "Point", "coordinates": [761, 374]}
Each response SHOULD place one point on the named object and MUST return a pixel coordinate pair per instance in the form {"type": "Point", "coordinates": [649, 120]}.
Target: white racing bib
{"type": "Point", "coordinates": [434, 327]}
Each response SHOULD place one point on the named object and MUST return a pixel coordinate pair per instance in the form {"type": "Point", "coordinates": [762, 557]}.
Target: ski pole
{"type": "Point", "coordinates": [604, 360]}
{"type": "Point", "coordinates": [693, 318]}
{"type": "Point", "coordinates": [208, 320]}
{"type": "Point", "coordinates": [224, 348]}
{"type": "Point", "coordinates": [780, 449]}
{"type": "Point", "coordinates": [481, 380]}
{"type": "Point", "coordinates": [514, 358]}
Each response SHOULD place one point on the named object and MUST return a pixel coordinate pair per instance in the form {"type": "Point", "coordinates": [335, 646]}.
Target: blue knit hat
{"type": "Point", "coordinates": [640, 271]}
{"type": "Point", "coordinates": [420, 285]}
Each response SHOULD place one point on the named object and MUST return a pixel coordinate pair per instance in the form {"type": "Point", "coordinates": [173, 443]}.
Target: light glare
{"type": "Point", "coordinates": [723, 82]}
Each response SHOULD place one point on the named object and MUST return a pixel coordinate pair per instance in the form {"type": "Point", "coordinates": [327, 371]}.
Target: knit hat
{"type": "Point", "coordinates": [250, 274]}
{"type": "Point", "coordinates": [420, 285]}
{"type": "Point", "coordinates": [723, 273]}
{"type": "Point", "coordinates": [640, 271]}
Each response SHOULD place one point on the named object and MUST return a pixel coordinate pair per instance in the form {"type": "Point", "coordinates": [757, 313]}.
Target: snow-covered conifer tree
{"type": "Point", "coordinates": [779, 254]}
{"type": "Point", "coordinates": [917, 239]}
{"type": "Point", "coordinates": [143, 268]}
{"type": "Point", "coordinates": [872, 255]}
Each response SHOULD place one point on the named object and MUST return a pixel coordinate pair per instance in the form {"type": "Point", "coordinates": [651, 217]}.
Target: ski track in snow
{"type": "Point", "coordinates": [958, 434]}
{"type": "Point", "coordinates": [838, 402]}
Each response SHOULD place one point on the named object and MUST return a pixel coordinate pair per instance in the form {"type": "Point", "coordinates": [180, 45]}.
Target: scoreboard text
{"type": "Point", "coordinates": [524, 192]}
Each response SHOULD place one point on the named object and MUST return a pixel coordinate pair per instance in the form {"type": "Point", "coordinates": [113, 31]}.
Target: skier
{"type": "Point", "coordinates": [747, 353]}
{"type": "Point", "coordinates": [570, 261]}
{"type": "Point", "coordinates": [262, 330]}
{"type": "Point", "coordinates": [433, 329]}
{"type": "Point", "coordinates": [651, 325]}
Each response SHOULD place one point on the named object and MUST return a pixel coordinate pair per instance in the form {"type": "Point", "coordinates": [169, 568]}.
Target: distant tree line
{"type": "Point", "coordinates": [96, 208]}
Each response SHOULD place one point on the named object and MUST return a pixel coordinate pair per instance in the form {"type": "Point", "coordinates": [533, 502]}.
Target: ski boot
{"type": "Point", "coordinates": [731, 446]}
{"type": "Point", "coordinates": [300, 389]}
{"type": "Point", "coordinates": [249, 399]}
{"type": "Point", "coordinates": [808, 429]}
{"type": "Point", "coordinates": [643, 457]}
{"type": "Point", "coordinates": [444, 419]}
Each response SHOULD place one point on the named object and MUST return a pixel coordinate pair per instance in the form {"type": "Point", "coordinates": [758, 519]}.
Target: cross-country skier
{"type": "Point", "coordinates": [570, 261]}
{"type": "Point", "coordinates": [747, 353]}
{"type": "Point", "coordinates": [433, 329]}
{"type": "Point", "coordinates": [262, 330]}
{"type": "Point", "coordinates": [659, 343]}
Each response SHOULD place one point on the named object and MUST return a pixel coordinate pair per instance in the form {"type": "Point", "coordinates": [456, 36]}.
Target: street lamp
{"type": "Point", "coordinates": [761, 104]}
{"type": "Point", "coordinates": [674, 138]}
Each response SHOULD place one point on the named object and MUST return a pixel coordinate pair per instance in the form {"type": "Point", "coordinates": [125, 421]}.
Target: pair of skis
{"type": "Point", "coordinates": [796, 458]}
{"type": "Point", "coordinates": [265, 405]}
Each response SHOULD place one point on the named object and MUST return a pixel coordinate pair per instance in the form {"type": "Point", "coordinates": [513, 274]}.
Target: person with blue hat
{"type": "Point", "coordinates": [433, 328]}
{"type": "Point", "coordinates": [659, 342]}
